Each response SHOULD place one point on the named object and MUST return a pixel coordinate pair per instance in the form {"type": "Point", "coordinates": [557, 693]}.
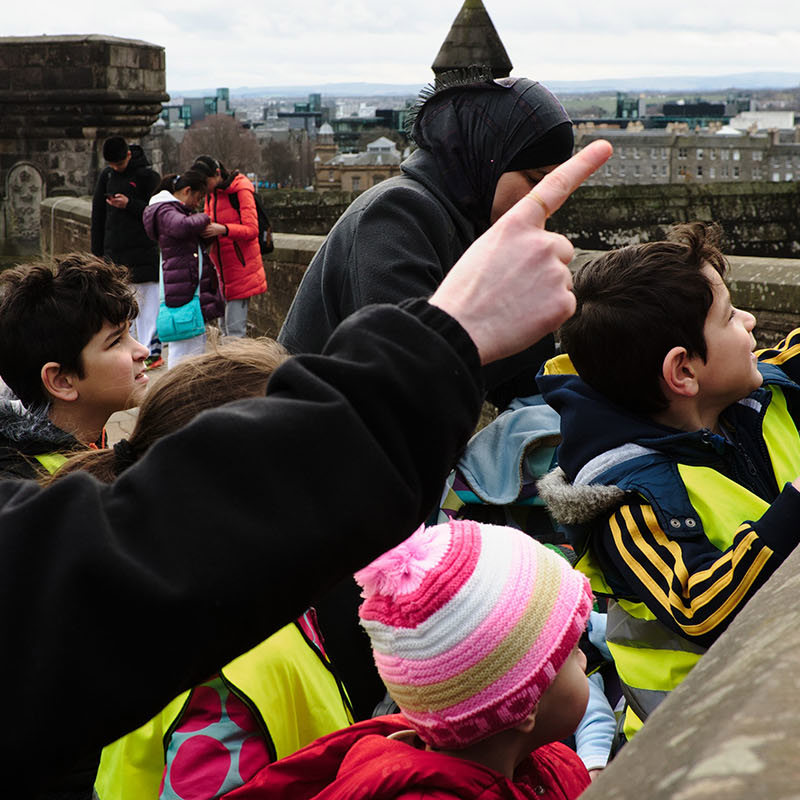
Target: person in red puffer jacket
{"type": "Point", "coordinates": [234, 251]}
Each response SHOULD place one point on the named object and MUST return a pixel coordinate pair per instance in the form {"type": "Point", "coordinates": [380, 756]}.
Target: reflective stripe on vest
{"type": "Point", "coordinates": [51, 461]}
{"type": "Point", "coordinates": [651, 659]}
{"type": "Point", "coordinates": [293, 694]}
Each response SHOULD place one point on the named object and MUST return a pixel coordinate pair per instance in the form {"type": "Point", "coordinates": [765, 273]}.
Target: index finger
{"type": "Point", "coordinates": [551, 192]}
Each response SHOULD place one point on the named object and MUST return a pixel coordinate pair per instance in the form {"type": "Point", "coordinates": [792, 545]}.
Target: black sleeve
{"type": "Point", "coordinates": [148, 181]}
{"type": "Point", "coordinates": [115, 598]}
{"type": "Point", "coordinates": [99, 207]}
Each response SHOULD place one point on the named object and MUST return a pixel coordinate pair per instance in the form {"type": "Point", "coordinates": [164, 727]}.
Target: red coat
{"type": "Point", "coordinates": [360, 763]}
{"type": "Point", "coordinates": [236, 255]}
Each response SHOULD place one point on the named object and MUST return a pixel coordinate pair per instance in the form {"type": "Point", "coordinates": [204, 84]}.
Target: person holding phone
{"type": "Point", "coordinates": [121, 194]}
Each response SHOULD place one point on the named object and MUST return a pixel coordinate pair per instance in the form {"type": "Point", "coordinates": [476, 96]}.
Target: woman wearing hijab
{"type": "Point", "coordinates": [483, 144]}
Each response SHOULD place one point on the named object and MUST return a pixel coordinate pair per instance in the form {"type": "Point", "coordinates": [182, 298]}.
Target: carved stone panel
{"type": "Point", "coordinates": [24, 194]}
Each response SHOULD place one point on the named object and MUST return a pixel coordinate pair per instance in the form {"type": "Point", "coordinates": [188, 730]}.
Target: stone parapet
{"type": "Point", "coordinates": [769, 287]}
{"type": "Point", "coordinates": [299, 211]}
{"type": "Point", "coordinates": [730, 730]}
{"type": "Point", "coordinates": [60, 86]}
{"type": "Point", "coordinates": [757, 219]}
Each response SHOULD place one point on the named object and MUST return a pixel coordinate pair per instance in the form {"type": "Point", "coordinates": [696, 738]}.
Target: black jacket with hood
{"type": "Point", "coordinates": [25, 435]}
{"type": "Point", "coordinates": [118, 233]}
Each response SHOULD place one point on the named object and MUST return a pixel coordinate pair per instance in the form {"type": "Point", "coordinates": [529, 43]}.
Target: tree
{"type": "Point", "coordinates": [223, 138]}
{"type": "Point", "coordinates": [280, 164]}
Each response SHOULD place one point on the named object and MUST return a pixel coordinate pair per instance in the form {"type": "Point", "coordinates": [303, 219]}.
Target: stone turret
{"type": "Point", "coordinates": [473, 40]}
{"type": "Point", "coordinates": [60, 97]}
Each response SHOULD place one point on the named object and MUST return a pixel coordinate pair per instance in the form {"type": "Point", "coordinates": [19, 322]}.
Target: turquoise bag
{"type": "Point", "coordinates": [181, 322]}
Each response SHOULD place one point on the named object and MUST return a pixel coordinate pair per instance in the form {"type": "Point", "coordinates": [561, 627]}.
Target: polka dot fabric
{"type": "Point", "coordinates": [215, 749]}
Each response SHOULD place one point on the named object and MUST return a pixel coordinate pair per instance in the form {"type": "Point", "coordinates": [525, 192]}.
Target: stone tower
{"type": "Point", "coordinates": [473, 40]}
{"type": "Point", "coordinates": [60, 97]}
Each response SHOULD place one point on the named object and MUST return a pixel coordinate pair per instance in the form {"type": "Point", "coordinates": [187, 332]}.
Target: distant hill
{"type": "Point", "coordinates": [337, 89]}
{"type": "Point", "coordinates": [683, 83]}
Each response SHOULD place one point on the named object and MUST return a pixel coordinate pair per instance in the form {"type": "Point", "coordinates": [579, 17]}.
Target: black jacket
{"type": "Point", "coordinates": [25, 435]}
{"type": "Point", "coordinates": [118, 233]}
{"type": "Point", "coordinates": [116, 598]}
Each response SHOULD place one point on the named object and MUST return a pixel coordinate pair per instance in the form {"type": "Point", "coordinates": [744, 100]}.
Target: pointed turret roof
{"type": "Point", "coordinates": [473, 40]}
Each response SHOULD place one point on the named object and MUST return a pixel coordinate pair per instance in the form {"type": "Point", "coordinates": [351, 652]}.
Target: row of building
{"type": "Point", "coordinates": [640, 157]}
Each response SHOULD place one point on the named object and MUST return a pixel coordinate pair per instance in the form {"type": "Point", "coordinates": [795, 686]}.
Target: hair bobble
{"type": "Point", "coordinates": [124, 456]}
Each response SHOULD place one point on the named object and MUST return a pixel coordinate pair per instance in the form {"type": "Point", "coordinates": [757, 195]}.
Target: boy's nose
{"type": "Point", "coordinates": [140, 351]}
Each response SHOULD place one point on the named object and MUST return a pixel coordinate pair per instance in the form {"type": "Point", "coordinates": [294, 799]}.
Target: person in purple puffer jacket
{"type": "Point", "coordinates": [170, 219]}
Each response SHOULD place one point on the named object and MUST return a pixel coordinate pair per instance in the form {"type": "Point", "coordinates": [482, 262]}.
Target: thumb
{"type": "Point", "coordinates": [552, 191]}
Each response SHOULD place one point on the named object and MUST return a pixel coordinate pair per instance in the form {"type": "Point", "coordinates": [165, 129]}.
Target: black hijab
{"type": "Point", "coordinates": [478, 131]}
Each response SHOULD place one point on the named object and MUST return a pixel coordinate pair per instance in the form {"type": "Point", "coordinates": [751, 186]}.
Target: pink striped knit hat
{"type": "Point", "coordinates": [469, 625]}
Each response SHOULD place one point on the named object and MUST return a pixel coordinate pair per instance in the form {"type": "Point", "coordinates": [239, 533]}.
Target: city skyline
{"type": "Point", "coordinates": [314, 42]}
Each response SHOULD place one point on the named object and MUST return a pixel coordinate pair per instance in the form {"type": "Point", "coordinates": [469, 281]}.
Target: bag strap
{"type": "Point", "coordinates": [233, 199]}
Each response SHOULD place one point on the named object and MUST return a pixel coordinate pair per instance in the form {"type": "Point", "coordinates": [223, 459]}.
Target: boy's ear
{"type": "Point", "coordinates": [679, 373]}
{"type": "Point", "coordinates": [58, 383]}
{"type": "Point", "coordinates": [529, 723]}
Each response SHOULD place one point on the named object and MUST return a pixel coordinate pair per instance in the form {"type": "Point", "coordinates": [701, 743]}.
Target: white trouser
{"type": "Point", "coordinates": [184, 348]}
{"type": "Point", "coordinates": [234, 323]}
{"type": "Point", "coordinates": [144, 326]}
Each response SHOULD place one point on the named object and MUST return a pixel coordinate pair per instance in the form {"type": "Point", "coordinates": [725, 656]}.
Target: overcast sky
{"type": "Point", "coordinates": [267, 42]}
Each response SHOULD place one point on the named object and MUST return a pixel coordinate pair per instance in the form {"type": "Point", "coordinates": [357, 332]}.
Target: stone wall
{"type": "Point", "coordinates": [757, 219]}
{"type": "Point", "coordinates": [730, 730]}
{"type": "Point", "coordinates": [769, 287]}
{"type": "Point", "coordinates": [299, 211]}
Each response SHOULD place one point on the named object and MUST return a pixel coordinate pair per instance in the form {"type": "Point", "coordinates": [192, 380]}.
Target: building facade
{"type": "Point", "coordinates": [354, 172]}
{"type": "Point", "coordinates": [727, 155]}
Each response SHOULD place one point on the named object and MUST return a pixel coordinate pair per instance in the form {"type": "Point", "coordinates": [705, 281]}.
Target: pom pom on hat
{"type": "Point", "coordinates": [470, 623]}
{"type": "Point", "coordinates": [402, 569]}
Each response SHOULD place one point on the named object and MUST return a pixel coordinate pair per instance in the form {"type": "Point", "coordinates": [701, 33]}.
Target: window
{"type": "Point", "coordinates": [682, 171]}
{"type": "Point", "coordinates": [735, 155]}
{"type": "Point", "coordinates": [622, 171]}
{"type": "Point", "coordinates": [356, 183]}
{"type": "Point", "coordinates": [712, 173]}
{"type": "Point", "coordinates": [757, 155]}
{"type": "Point", "coordinates": [622, 152]}
{"type": "Point", "coordinates": [736, 172]}
{"type": "Point", "coordinates": [788, 176]}
{"type": "Point", "coordinates": [712, 153]}
{"type": "Point", "coordinates": [724, 171]}
{"type": "Point", "coordinates": [776, 176]}
{"type": "Point", "coordinates": [330, 174]}
{"type": "Point", "coordinates": [654, 170]}
{"type": "Point", "coordinates": [653, 153]}
{"type": "Point", "coordinates": [699, 152]}
{"type": "Point", "coordinates": [683, 152]}
{"type": "Point", "coordinates": [664, 152]}
{"type": "Point", "coordinates": [376, 179]}
{"type": "Point", "coordinates": [725, 155]}
{"type": "Point", "coordinates": [664, 170]}
{"type": "Point", "coordinates": [607, 170]}
{"type": "Point", "coordinates": [756, 173]}
{"type": "Point", "coordinates": [636, 152]}
{"type": "Point", "coordinates": [699, 170]}
{"type": "Point", "coordinates": [637, 171]}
